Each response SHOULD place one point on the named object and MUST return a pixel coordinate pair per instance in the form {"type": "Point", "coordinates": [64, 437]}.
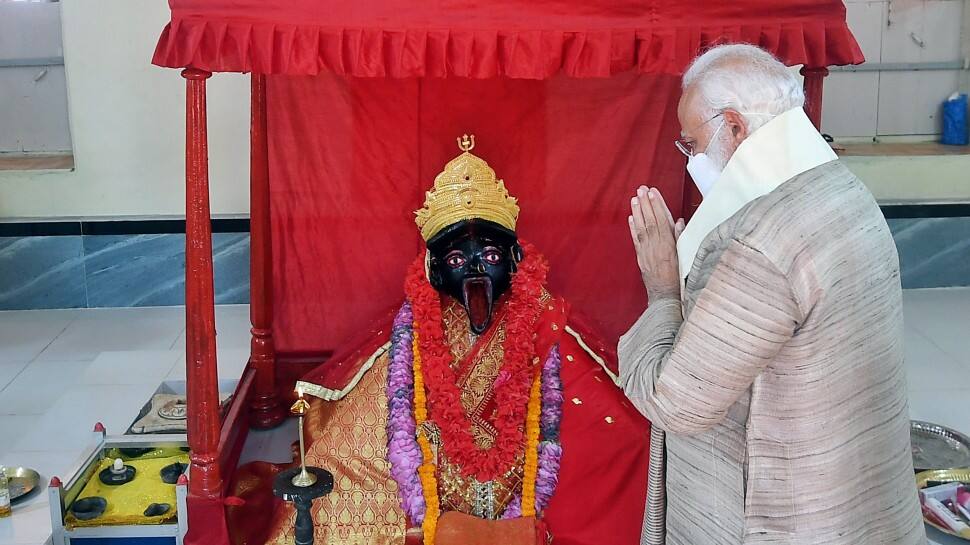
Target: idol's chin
{"type": "Point", "coordinates": [476, 295]}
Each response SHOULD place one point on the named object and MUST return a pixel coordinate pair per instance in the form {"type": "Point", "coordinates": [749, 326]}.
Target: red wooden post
{"type": "Point", "coordinates": [265, 405]}
{"type": "Point", "coordinates": [200, 324]}
{"type": "Point", "coordinates": [814, 79]}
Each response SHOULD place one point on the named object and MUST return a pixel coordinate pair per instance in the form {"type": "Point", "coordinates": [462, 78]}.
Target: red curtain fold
{"type": "Point", "coordinates": [275, 48]}
{"type": "Point", "coordinates": [530, 39]}
{"type": "Point", "coordinates": [351, 159]}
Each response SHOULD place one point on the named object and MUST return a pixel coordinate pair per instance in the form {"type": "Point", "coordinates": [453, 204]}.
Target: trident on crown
{"type": "Point", "coordinates": [304, 478]}
{"type": "Point", "coordinates": [466, 143]}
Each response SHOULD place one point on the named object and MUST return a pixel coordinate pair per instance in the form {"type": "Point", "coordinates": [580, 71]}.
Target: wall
{"type": "Point", "coordinates": [928, 179]}
{"type": "Point", "coordinates": [128, 125]}
{"type": "Point", "coordinates": [33, 99]}
{"type": "Point", "coordinates": [894, 103]}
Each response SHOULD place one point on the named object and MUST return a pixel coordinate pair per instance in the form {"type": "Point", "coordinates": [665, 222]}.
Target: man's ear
{"type": "Point", "coordinates": [736, 125]}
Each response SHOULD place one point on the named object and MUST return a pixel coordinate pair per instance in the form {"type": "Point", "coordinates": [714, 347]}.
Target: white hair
{"type": "Point", "coordinates": [746, 79]}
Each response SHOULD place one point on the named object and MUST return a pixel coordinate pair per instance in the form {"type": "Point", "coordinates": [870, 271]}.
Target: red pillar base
{"type": "Point", "coordinates": [266, 417]}
{"type": "Point", "coordinates": [207, 522]}
{"type": "Point", "coordinates": [265, 409]}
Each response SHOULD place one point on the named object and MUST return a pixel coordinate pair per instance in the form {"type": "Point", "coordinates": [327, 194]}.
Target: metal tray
{"type": "Point", "coordinates": [21, 481]}
{"type": "Point", "coordinates": [927, 478]}
{"type": "Point", "coordinates": [938, 447]}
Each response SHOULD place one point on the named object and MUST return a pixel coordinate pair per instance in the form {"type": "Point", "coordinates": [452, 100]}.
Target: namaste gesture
{"type": "Point", "coordinates": [655, 234]}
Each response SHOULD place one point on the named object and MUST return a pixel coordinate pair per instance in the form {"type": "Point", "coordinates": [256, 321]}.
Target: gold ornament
{"type": "Point", "coordinates": [466, 189]}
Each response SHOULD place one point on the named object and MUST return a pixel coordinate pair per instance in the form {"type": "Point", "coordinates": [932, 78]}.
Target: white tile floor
{"type": "Point", "coordinates": [63, 370]}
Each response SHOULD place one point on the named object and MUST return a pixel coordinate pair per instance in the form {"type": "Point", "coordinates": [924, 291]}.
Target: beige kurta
{"type": "Point", "coordinates": [779, 380]}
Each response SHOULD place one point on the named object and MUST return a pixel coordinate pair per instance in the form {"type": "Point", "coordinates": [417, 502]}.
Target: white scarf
{"type": "Point", "coordinates": [781, 149]}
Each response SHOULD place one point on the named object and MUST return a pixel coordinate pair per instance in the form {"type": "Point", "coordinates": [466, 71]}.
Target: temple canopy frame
{"type": "Point", "coordinates": [216, 441]}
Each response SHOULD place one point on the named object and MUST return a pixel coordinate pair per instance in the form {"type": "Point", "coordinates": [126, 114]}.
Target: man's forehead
{"type": "Point", "coordinates": [688, 110]}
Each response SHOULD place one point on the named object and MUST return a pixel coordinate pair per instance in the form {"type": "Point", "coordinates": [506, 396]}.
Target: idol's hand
{"type": "Point", "coordinates": [655, 234]}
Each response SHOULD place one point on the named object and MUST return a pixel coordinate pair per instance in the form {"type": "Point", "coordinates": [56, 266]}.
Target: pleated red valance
{"type": "Point", "coordinates": [527, 39]}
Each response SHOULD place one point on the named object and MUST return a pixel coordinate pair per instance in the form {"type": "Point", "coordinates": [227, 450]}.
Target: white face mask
{"type": "Point", "coordinates": [702, 169]}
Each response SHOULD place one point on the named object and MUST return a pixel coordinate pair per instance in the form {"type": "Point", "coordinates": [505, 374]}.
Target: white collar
{"type": "Point", "coordinates": [781, 149]}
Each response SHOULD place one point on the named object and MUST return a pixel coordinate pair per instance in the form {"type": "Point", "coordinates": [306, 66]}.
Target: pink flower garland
{"type": "Point", "coordinates": [550, 450]}
{"type": "Point", "coordinates": [404, 453]}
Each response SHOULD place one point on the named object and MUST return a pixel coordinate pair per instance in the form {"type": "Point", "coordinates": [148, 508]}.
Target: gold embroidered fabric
{"type": "Point", "coordinates": [456, 491]}
{"type": "Point", "coordinates": [466, 494]}
{"type": "Point", "coordinates": [477, 379]}
{"type": "Point", "coordinates": [349, 439]}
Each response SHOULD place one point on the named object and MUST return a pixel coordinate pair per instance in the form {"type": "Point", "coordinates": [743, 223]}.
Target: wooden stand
{"type": "Point", "coordinates": [302, 498]}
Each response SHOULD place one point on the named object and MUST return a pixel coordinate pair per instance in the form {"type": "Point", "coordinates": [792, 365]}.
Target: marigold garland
{"type": "Point", "coordinates": [428, 469]}
{"type": "Point", "coordinates": [531, 467]}
{"type": "Point", "coordinates": [511, 397]}
{"type": "Point", "coordinates": [550, 451]}
{"type": "Point", "coordinates": [542, 404]}
{"type": "Point", "coordinates": [429, 481]}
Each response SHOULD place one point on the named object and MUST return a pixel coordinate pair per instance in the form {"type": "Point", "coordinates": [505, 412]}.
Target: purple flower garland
{"type": "Point", "coordinates": [550, 451]}
{"type": "Point", "coordinates": [403, 450]}
{"type": "Point", "coordinates": [550, 448]}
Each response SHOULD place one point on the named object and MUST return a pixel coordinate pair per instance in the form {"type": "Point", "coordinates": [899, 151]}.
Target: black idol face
{"type": "Point", "coordinates": [473, 261]}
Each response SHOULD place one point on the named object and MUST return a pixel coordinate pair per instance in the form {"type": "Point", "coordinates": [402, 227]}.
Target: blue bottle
{"type": "Point", "coordinates": [955, 130]}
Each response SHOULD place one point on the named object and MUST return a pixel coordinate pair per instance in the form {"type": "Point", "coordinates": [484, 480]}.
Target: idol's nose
{"type": "Point", "coordinates": [478, 266]}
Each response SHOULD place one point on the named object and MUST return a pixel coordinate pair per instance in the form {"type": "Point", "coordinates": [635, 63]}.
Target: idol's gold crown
{"type": "Point", "coordinates": [466, 189]}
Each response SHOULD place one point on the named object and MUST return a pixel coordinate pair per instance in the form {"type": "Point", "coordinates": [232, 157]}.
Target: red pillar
{"type": "Point", "coordinates": [814, 78]}
{"type": "Point", "coordinates": [200, 331]}
{"type": "Point", "coordinates": [266, 411]}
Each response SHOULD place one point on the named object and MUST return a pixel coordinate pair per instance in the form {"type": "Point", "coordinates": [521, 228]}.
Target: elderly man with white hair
{"type": "Point", "coordinates": [771, 353]}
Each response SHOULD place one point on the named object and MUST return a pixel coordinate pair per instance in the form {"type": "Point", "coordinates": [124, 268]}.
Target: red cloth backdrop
{"type": "Point", "coordinates": [366, 99]}
{"type": "Point", "coordinates": [350, 161]}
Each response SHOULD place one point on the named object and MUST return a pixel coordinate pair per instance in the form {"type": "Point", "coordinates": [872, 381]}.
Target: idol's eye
{"type": "Point", "coordinates": [492, 256]}
{"type": "Point", "coordinates": [455, 259]}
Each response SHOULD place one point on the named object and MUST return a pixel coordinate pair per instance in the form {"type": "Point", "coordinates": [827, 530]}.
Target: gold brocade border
{"type": "Point", "coordinates": [327, 394]}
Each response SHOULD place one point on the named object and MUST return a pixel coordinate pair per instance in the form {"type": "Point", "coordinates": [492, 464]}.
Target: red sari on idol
{"type": "Point", "coordinates": [602, 479]}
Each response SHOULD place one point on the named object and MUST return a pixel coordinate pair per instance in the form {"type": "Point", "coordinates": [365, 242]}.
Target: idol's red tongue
{"type": "Point", "coordinates": [477, 293]}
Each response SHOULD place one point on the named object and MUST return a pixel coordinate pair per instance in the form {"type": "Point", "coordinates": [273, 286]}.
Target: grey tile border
{"type": "Point", "coordinates": [114, 270]}
{"type": "Point", "coordinates": [41, 273]}
{"type": "Point", "coordinates": [122, 270]}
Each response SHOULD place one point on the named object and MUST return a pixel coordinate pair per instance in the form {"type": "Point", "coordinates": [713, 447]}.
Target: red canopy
{"type": "Point", "coordinates": [573, 103]}
{"type": "Point", "coordinates": [531, 39]}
